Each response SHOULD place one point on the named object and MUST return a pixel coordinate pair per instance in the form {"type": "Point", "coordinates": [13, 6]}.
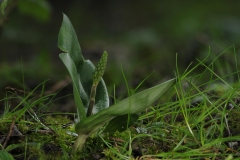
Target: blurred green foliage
{"type": "Point", "coordinates": [38, 9]}
{"type": "Point", "coordinates": [3, 6]}
{"type": "Point", "coordinates": [142, 36]}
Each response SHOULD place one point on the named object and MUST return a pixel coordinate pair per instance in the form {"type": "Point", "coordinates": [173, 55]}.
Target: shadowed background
{"type": "Point", "coordinates": [140, 36]}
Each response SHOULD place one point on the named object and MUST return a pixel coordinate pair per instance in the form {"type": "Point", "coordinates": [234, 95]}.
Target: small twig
{"type": "Point", "coordinates": [57, 86]}
{"type": "Point", "coordinates": [226, 121]}
{"type": "Point", "coordinates": [232, 150]}
{"type": "Point", "coordinates": [10, 131]}
{"type": "Point", "coordinates": [19, 90]}
{"type": "Point", "coordinates": [227, 126]}
{"type": "Point", "coordinates": [34, 115]}
{"type": "Point", "coordinates": [44, 131]}
{"type": "Point", "coordinates": [117, 140]}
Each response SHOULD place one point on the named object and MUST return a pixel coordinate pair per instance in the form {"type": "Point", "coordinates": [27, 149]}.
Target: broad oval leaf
{"type": "Point", "coordinates": [68, 41]}
{"type": "Point", "coordinates": [131, 105]}
{"type": "Point", "coordinates": [121, 123]}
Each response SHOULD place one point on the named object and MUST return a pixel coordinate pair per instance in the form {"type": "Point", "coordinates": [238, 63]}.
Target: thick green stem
{"type": "Point", "coordinates": [97, 75]}
{"type": "Point", "coordinates": [92, 99]}
{"type": "Point", "coordinates": [79, 143]}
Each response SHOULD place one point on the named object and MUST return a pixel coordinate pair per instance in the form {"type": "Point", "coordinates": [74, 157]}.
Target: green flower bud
{"type": "Point", "coordinates": [99, 71]}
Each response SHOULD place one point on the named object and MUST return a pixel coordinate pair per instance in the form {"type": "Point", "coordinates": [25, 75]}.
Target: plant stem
{"type": "Point", "coordinates": [79, 143]}
{"type": "Point", "coordinates": [97, 75]}
{"type": "Point", "coordinates": [92, 99]}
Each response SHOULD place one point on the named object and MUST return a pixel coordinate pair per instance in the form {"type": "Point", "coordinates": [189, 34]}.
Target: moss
{"type": "Point", "coordinates": [233, 121]}
{"type": "Point", "coordinates": [40, 145]}
{"type": "Point", "coordinates": [4, 128]}
{"type": "Point", "coordinates": [57, 120]}
{"type": "Point", "coordinates": [109, 154]}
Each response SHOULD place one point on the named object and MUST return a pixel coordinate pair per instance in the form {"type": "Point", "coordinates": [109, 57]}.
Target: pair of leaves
{"type": "Point", "coordinates": [81, 73]}
{"type": "Point", "coordinates": [80, 70]}
{"type": "Point", "coordinates": [131, 105]}
{"type": "Point", "coordinates": [120, 115]}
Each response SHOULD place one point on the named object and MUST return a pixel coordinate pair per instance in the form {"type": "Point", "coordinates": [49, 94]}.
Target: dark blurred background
{"type": "Point", "coordinates": [142, 36]}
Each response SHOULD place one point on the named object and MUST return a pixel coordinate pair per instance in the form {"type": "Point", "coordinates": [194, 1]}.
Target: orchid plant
{"type": "Point", "coordinates": [90, 92]}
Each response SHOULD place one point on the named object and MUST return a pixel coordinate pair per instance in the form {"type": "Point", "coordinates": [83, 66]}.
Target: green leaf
{"type": "Point", "coordinates": [121, 123]}
{"type": "Point", "coordinates": [68, 41]}
{"type": "Point", "coordinates": [81, 70]}
{"type": "Point", "coordinates": [131, 105]}
{"type": "Point", "coordinates": [67, 60]}
{"type": "Point", "coordinates": [4, 155]}
{"type": "Point", "coordinates": [38, 9]}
